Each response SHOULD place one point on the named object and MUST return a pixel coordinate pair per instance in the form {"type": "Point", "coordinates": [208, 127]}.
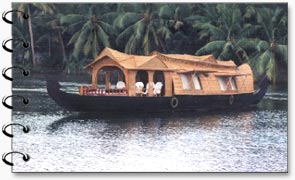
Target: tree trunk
{"type": "Point", "coordinates": [62, 46]}
{"type": "Point", "coordinates": [31, 36]}
{"type": "Point", "coordinates": [49, 48]}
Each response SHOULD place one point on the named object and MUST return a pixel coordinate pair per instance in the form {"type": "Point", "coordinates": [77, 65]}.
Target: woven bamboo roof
{"type": "Point", "coordinates": [174, 62]}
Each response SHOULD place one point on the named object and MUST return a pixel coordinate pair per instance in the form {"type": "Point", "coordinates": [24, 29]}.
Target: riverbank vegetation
{"type": "Point", "coordinates": [66, 37]}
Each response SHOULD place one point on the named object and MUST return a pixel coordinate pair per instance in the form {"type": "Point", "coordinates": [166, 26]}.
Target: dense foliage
{"type": "Point", "coordinates": [68, 36]}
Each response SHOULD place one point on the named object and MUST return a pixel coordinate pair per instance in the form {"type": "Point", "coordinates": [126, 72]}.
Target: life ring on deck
{"type": "Point", "coordinates": [174, 102]}
{"type": "Point", "coordinates": [231, 99]}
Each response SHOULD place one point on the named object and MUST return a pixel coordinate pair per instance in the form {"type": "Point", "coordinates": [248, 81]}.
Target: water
{"type": "Point", "coordinates": [60, 141]}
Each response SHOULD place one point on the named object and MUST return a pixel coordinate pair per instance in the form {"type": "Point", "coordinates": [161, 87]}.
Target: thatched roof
{"type": "Point", "coordinates": [169, 62]}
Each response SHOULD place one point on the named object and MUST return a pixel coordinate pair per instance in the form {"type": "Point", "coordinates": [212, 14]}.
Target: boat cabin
{"type": "Point", "coordinates": [118, 74]}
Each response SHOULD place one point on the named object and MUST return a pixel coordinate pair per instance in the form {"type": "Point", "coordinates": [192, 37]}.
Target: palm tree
{"type": "Point", "coordinates": [223, 28]}
{"type": "Point", "coordinates": [269, 51]}
{"type": "Point", "coordinates": [30, 9]}
{"type": "Point", "coordinates": [142, 29]}
{"type": "Point", "coordinates": [52, 34]}
{"type": "Point", "coordinates": [180, 18]}
{"type": "Point", "coordinates": [89, 33]}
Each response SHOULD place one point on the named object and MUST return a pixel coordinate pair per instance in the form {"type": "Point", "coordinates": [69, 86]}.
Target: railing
{"type": "Point", "coordinates": [90, 91]}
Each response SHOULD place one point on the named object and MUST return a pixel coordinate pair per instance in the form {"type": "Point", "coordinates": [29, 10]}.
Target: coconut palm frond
{"type": "Point", "coordinates": [271, 68]}
{"type": "Point", "coordinates": [166, 12]}
{"type": "Point", "coordinates": [214, 31]}
{"type": "Point", "coordinates": [182, 10]}
{"type": "Point", "coordinates": [126, 19]}
{"type": "Point", "coordinates": [46, 8]}
{"type": "Point", "coordinates": [71, 18]}
{"type": "Point", "coordinates": [282, 51]}
{"type": "Point", "coordinates": [247, 44]}
{"type": "Point", "coordinates": [261, 45]}
{"type": "Point", "coordinates": [104, 38]}
{"type": "Point", "coordinates": [264, 19]}
{"type": "Point", "coordinates": [74, 38]}
{"type": "Point", "coordinates": [250, 12]}
{"type": "Point", "coordinates": [203, 34]}
{"type": "Point", "coordinates": [164, 32]}
{"type": "Point", "coordinates": [130, 45]}
{"type": "Point", "coordinates": [80, 41]}
{"type": "Point", "coordinates": [155, 36]}
{"type": "Point", "coordinates": [139, 29]}
{"type": "Point", "coordinates": [95, 45]}
{"type": "Point", "coordinates": [236, 16]}
{"type": "Point", "coordinates": [109, 17]}
{"type": "Point", "coordinates": [107, 27]}
{"type": "Point", "coordinates": [249, 30]}
{"type": "Point", "coordinates": [211, 47]}
{"type": "Point", "coordinates": [87, 46]}
{"type": "Point", "coordinates": [146, 42]}
{"type": "Point", "coordinates": [196, 19]}
{"type": "Point", "coordinates": [262, 61]}
{"type": "Point", "coordinates": [226, 51]}
{"type": "Point", "coordinates": [123, 36]}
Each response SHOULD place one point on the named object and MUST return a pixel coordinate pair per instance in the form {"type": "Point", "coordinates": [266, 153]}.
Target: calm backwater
{"type": "Point", "coordinates": [253, 140]}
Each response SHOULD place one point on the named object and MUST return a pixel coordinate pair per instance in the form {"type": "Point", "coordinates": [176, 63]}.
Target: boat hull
{"type": "Point", "coordinates": [108, 104]}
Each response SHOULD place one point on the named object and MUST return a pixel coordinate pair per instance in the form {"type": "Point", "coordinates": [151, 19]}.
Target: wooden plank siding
{"type": "Point", "coordinates": [207, 68]}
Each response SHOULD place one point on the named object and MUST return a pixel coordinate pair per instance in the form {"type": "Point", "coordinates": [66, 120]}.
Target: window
{"type": "Point", "coordinates": [185, 81]}
{"type": "Point", "coordinates": [197, 83]}
{"type": "Point", "coordinates": [222, 83]}
{"type": "Point", "coordinates": [227, 83]}
{"type": "Point", "coordinates": [233, 83]}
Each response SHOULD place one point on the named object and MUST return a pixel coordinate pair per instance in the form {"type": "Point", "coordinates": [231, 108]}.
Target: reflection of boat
{"type": "Point", "coordinates": [186, 83]}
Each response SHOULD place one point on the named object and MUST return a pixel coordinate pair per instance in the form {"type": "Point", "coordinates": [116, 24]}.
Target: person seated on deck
{"type": "Point", "coordinates": [120, 86]}
{"type": "Point", "coordinates": [158, 88]}
{"type": "Point", "coordinates": [139, 88]}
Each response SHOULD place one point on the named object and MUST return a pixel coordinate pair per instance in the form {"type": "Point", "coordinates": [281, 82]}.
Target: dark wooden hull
{"type": "Point", "coordinates": [108, 104]}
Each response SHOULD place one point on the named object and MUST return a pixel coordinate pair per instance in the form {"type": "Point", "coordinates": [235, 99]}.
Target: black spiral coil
{"type": "Point", "coordinates": [25, 72]}
{"type": "Point", "coordinates": [26, 157]}
{"type": "Point", "coordinates": [26, 129]}
{"type": "Point", "coordinates": [25, 101]}
{"type": "Point", "coordinates": [26, 44]}
{"type": "Point", "coordinates": [25, 15]}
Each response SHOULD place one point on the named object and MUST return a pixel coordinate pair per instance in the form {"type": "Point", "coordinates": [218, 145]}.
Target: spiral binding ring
{"type": "Point", "coordinates": [25, 72]}
{"type": "Point", "coordinates": [26, 157]}
{"type": "Point", "coordinates": [25, 101]}
{"type": "Point", "coordinates": [26, 129]}
{"type": "Point", "coordinates": [25, 44]}
{"type": "Point", "coordinates": [25, 15]}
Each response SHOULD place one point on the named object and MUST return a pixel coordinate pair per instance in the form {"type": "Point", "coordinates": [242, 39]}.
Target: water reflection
{"type": "Point", "coordinates": [176, 121]}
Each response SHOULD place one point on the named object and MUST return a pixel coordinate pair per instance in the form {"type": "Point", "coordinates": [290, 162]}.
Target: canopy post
{"type": "Point", "coordinates": [94, 78]}
{"type": "Point", "coordinates": [107, 79]}
{"type": "Point", "coordinates": [151, 82]}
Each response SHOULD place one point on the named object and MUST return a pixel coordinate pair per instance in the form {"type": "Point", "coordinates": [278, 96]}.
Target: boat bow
{"type": "Point", "coordinates": [260, 92]}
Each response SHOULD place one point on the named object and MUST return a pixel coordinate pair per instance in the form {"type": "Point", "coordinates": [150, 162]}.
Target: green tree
{"type": "Point", "coordinates": [33, 8]}
{"type": "Point", "coordinates": [51, 36]}
{"type": "Point", "coordinates": [23, 55]}
{"type": "Point", "coordinates": [89, 32]}
{"type": "Point", "coordinates": [141, 29]}
{"type": "Point", "coordinates": [269, 51]}
{"type": "Point", "coordinates": [223, 26]}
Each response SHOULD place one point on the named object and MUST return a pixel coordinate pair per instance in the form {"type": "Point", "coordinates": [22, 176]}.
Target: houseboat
{"type": "Point", "coordinates": [161, 82]}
